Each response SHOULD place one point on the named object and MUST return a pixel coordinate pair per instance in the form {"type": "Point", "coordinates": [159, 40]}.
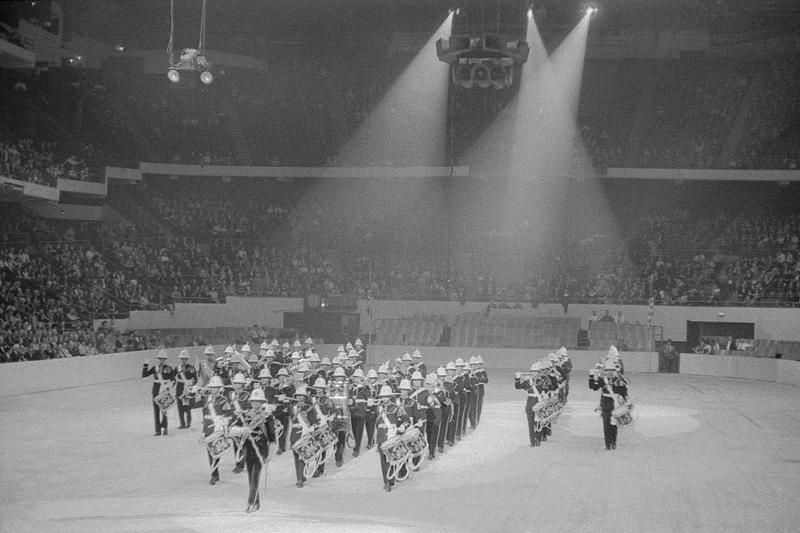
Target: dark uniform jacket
{"type": "Point", "coordinates": [164, 374]}
{"type": "Point", "coordinates": [535, 390]}
{"type": "Point", "coordinates": [358, 400]}
{"type": "Point", "coordinates": [396, 416]}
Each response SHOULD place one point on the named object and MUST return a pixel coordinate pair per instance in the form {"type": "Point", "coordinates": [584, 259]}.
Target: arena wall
{"type": "Point", "coordinates": [770, 323]}
{"type": "Point", "coordinates": [39, 376]}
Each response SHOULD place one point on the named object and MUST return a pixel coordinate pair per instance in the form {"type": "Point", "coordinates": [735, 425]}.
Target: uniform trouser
{"type": "Point", "coordinates": [236, 453]}
{"type": "Point", "coordinates": [480, 405]}
{"type": "Point", "coordinates": [473, 410]}
{"type": "Point", "coordinates": [159, 418]}
{"type": "Point", "coordinates": [432, 430]}
{"type": "Point", "coordinates": [385, 468]}
{"type": "Point", "coordinates": [184, 415]}
{"type": "Point", "coordinates": [299, 465]}
{"type": "Point", "coordinates": [321, 467]}
{"type": "Point", "coordinates": [283, 418]}
{"type": "Point", "coordinates": [609, 429]}
{"type": "Point", "coordinates": [453, 428]}
{"type": "Point", "coordinates": [445, 426]}
{"type": "Point", "coordinates": [535, 436]}
{"type": "Point", "coordinates": [358, 432]}
{"type": "Point", "coordinates": [215, 472]}
{"type": "Point", "coordinates": [465, 407]}
{"type": "Point", "coordinates": [370, 422]}
{"type": "Point", "coordinates": [253, 465]}
{"type": "Point", "coordinates": [341, 441]}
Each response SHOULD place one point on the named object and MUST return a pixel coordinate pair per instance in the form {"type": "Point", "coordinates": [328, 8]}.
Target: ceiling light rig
{"type": "Point", "coordinates": [190, 59]}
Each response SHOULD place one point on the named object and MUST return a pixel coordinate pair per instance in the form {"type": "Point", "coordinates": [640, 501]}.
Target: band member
{"type": "Point", "coordinates": [217, 410]}
{"type": "Point", "coordinates": [483, 379]}
{"type": "Point", "coordinates": [406, 401]}
{"type": "Point", "coordinates": [613, 389]}
{"type": "Point", "coordinates": [185, 379]}
{"type": "Point", "coordinates": [162, 379]}
{"type": "Point", "coordinates": [371, 419]}
{"type": "Point", "coordinates": [463, 398]}
{"type": "Point", "coordinates": [406, 365]}
{"type": "Point", "coordinates": [303, 419]}
{"type": "Point", "coordinates": [418, 364]}
{"type": "Point", "coordinates": [433, 412]}
{"type": "Point", "coordinates": [445, 405]}
{"type": "Point", "coordinates": [359, 397]}
{"type": "Point", "coordinates": [238, 398]}
{"type": "Point", "coordinates": [257, 421]}
{"type": "Point", "coordinates": [533, 384]}
{"type": "Point", "coordinates": [268, 385]}
{"type": "Point", "coordinates": [283, 406]}
{"type": "Point", "coordinates": [471, 387]}
{"type": "Point", "coordinates": [392, 420]}
{"type": "Point", "coordinates": [325, 410]}
{"type": "Point", "coordinates": [360, 351]}
{"type": "Point", "coordinates": [254, 365]}
{"type": "Point", "coordinates": [207, 368]}
{"type": "Point", "coordinates": [453, 387]}
{"type": "Point", "coordinates": [340, 425]}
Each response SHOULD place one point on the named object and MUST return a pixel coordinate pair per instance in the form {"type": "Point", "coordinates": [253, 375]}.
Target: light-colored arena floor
{"type": "Point", "coordinates": [706, 454]}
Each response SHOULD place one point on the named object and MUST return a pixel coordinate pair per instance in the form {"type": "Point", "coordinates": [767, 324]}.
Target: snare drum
{"type": "Point", "coordinates": [306, 448]}
{"type": "Point", "coordinates": [395, 449]}
{"type": "Point", "coordinates": [164, 400]}
{"type": "Point", "coordinates": [623, 415]}
{"type": "Point", "coordinates": [218, 446]}
{"type": "Point", "coordinates": [324, 437]}
{"type": "Point", "coordinates": [414, 439]}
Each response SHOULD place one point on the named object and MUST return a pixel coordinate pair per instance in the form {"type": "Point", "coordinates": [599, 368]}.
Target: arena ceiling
{"type": "Point", "coordinates": [145, 23]}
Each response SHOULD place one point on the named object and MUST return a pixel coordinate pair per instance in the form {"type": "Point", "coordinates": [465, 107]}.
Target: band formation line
{"type": "Point", "coordinates": [319, 405]}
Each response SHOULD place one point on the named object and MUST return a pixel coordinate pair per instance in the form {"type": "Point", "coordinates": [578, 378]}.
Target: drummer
{"type": "Point", "coordinates": [303, 418]}
{"type": "Point", "coordinates": [326, 410]}
{"type": "Point", "coordinates": [613, 388]}
{"type": "Point", "coordinates": [391, 420]}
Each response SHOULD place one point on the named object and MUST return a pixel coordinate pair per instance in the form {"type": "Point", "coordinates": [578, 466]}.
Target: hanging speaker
{"type": "Point", "coordinates": [462, 76]}
{"type": "Point", "coordinates": [497, 75]}
{"type": "Point", "coordinates": [481, 75]}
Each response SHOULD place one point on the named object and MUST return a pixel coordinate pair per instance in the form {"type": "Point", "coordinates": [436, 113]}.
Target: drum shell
{"type": "Point", "coordinates": [623, 415]}
{"type": "Point", "coordinates": [324, 437]}
{"type": "Point", "coordinates": [414, 439]}
{"type": "Point", "coordinates": [394, 449]}
{"type": "Point", "coordinates": [306, 448]}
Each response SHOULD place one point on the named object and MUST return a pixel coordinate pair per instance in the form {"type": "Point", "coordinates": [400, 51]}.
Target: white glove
{"type": "Point", "coordinates": [518, 375]}
{"type": "Point", "coordinates": [147, 362]}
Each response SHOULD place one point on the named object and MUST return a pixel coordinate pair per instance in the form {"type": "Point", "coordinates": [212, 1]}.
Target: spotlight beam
{"type": "Point", "coordinates": [409, 123]}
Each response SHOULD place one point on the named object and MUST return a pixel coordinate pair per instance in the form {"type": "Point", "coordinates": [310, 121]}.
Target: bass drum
{"type": "Point", "coordinates": [218, 446]}
{"type": "Point", "coordinates": [165, 400]}
{"type": "Point", "coordinates": [414, 439]}
{"type": "Point", "coordinates": [394, 449]}
{"type": "Point", "coordinates": [306, 448]}
{"type": "Point", "coordinates": [324, 437]}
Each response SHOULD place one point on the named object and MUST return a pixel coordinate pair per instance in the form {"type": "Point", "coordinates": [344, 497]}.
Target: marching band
{"type": "Point", "coordinates": [547, 387]}
{"type": "Point", "coordinates": [322, 406]}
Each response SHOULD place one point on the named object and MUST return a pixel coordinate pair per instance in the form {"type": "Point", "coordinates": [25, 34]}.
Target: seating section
{"type": "Point", "coordinates": [419, 330]}
{"type": "Point", "coordinates": [476, 330]}
{"type": "Point", "coordinates": [633, 337]}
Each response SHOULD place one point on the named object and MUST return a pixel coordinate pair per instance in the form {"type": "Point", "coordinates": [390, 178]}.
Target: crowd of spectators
{"type": "Point", "coordinates": [686, 113]}
{"type": "Point", "coordinates": [37, 162]}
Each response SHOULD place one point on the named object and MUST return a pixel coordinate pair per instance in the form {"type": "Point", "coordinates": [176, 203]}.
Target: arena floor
{"type": "Point", "coordinates": [706, 454]}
